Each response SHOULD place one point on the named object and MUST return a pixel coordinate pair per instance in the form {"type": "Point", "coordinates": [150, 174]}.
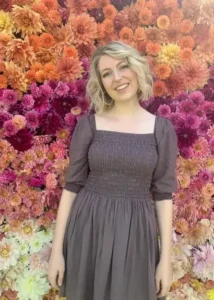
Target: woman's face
{"type": "Point", "coordinates": [119, 81]}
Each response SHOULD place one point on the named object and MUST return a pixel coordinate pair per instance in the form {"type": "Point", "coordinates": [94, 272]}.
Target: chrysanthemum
{"type": "Point", "coordinates": [40, 76]}
{"type": "Point", "coordinates": [108, 26]}
{"type": "Point", "coordinates": [26, 20]}
{"type": "Point", "coordinates": [187, 107]}
{"type": "Point", "coordinates": [153, 48]}
{"type": "Point", "coordinates": [205, 51]}
{"type": "Point", "coordinates": [70, 120]}
{"type": "Point", "coordinates": [186, 136]}
{"type": "Point", "coordinates": [9, 253]}
{"type": "Point", "coordinates": [110, 12]}
{"type": "Point", "coordinates": [176, 15]}
{"type": "Point", "coordinates": [50, 122]}
{"type": "Point", "coordinates": [69, 68]}
{"type": "Point", "coordinates": [187, 42]}
{"type": "Point", "coordinates": [40, 8]}
{"type": "Point", "coordinates": [47, 40]}
{"type": "Point", "coordinates": [153, 34]}
{"type": "Point", "coordinates": [22, 141]}
{"type": "Point", "coordinates": [45, 56]}
{"type": "Point", "coordinates": [54, 17]}
{"type": "Point", "coordinates": [84, 28]}
{"type": "Point", "coordinates": [200, 147]}
{"type": "Point", "coordinates": [145, 16]}
{"type": "Point", "coordinates": [163, 22]}
{"type": "Point", "coordinates": [77, 7]}
{"type": "Point", "coordinates": [139, 34]}
{"type": "Point", "coordinates": [6, 24]}
{"type": "Point", "coordinates": [186, 26]}
{"type": "Point", "coordinates": [9, 97]}
{"type": "Point", "coordinates": [50, 4]}
{"type": "Point", "coordinates": [19, 121]}
{"type": "Point", "coordinates": [159, 88]}
{"type": "Point", "coordinates": [172, 34]}
{"type": "Point", "coordinates": [195, 74]}
{"type": "Point", "coordinates": [181, 225]}
{"type": "Point", "coordinates": [126, 34]}
{"type": "Point", "coordinates": [164, 110]}
{"type": "Point", "coordinates": [192, 121]}
{"type": "Point", "coordinates": [196, 235]}
{"type": "Point", "coordinates": [186, 54]}
{"type": "Point", "coordinates": [174, 84]}
{"type": "Point", "coordinates": [169, 54]}
{"type": "Point", "coordinates": [62, 106]}
{"type": "Point", "coordinates": [20, 52]}
{"type": "Point", "coordinates": [3, 82]}
{"type": "Point", "coordinates": [85, 50]}
{"type": "Point", "coordinates": [9, 128]}
{"type": "Point", "coordinates": [162, 71]}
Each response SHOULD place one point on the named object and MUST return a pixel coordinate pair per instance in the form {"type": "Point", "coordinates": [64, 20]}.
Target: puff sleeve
{"type": "Point", "coordinates": [78, 168]}
{"type": "Point", "coordinates": [164, 181]}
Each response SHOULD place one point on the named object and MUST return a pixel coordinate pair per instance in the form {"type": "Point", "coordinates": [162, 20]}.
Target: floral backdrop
{"type": "Point", "coordinates": [45, 50]}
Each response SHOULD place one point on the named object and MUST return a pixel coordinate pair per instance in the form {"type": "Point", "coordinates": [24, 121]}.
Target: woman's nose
{"type": "Point", "coordinates": [116, 75]}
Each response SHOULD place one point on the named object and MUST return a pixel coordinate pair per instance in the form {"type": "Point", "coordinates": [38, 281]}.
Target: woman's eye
{"type": "Point", "coordinates": [106, 74]}
{"type": "Point", "coordinates": [124, 66]}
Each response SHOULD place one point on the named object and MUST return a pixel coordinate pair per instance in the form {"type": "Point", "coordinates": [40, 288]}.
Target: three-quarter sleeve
{"type": "Point", "coordinates": [78, 168]}
{"type": "Point", "coordinates": [164, 181]}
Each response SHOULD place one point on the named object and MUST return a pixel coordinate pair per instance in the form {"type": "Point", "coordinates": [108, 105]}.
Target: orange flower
{"type": "Point", "coordinates": [85, 50]}
{"type": "Point", "coordinates": [159, 88]}
{"type": "Point", "coordinates": [84, 28]}
{"type": "Point", "coordinates": [110, 12]}
{"type": "Point", "coordinates": [139, 34]}
{"type": "Point", "coordinates": [186, 54]}
{"type": "Point", "coordinates": [40, 76]}
{"type": "Point", "coordinates": [69, 68]}
{"type": "Point", "coordinates": [187, 42]}
{"type": "Point", "coordinates": [141, 46]}
{"type": "Point", "coordinates": [40, 8]}
{"type": "Point", "coordinates": [92, 4]}
{"type": "Point", "coordinates": [100, 31]}
{"type": "Point", "coordinates": [176, 15]}
{"type": "Point", "coordinates": [51, 71]}
{"type": "Point", "coordinates": [108, 26]}
{"type": "Point", "coordinates": [45, 55]}
{"type": "Point", "coordinates": [5, 38]}
{"type": "Point", "coordinates": [139, 4]}
{"type": "Point", "coordinates": [186, 26]}
{"type": "Point", "coordinates": [26, 20]}
{"type": "Point", "coordinates": [16, 78]}
{"type": "Point", "coordinates": [3, 82]}
{"type": "Point", "coordinates": [163, 22]}
{"type": "Point", "coordinates": [77, 7]}
{"type": "Point", "coordinates": [170, 3]}
{"type": "Point", "coordinates": [153, 48]}
{"type": "Point", "coordinates": [126, 34]}
{"type": "Point", "coordinates": [54, 17]}
{"type": "Point", "coordinates": [47, 40]}
{"type": "Point", "coordinates": [102, 3]}
{"type": "Point", "coordinates": [162, 71]}
{"type": "Point", "coordinates": [50, 4]}
{"type": "Point", "coordinates": [31, 76]}
{"type": "Point", "coordinates": [174, 84]}
{"type": "Point", "coordinates": [34, 41]}
{"type": "Point", "coordinates": [36, 66]}
{"type": "Point", "coordinates": [20, 52]}
{"type": "Point", "coordinates": [145, 16]}
{"type": "Point", "coordinates": [70, 51]}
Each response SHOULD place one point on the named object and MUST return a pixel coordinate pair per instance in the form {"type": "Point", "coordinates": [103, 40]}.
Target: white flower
{"type": "Point", "coordinates": [36, 245]}
{"type": "Point", "coordinates": [46, 235]}
{"type": "Point", "coordinates": [9, 253]}
{"type": "Point", "coordinates": [32, 286]}
{"type": "Point", "coordinates": [24, 247]}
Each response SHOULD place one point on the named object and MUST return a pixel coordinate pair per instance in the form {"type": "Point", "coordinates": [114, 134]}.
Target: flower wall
{"type": "Point", "coordinates": [45, 50]}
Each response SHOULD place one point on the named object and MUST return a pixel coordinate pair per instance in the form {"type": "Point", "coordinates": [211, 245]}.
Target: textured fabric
{"type": "Point", "coordinates": [111, 246]}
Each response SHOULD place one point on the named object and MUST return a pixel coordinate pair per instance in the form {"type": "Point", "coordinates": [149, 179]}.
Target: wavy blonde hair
{"type": "Point", "coordinates": [100, 100]}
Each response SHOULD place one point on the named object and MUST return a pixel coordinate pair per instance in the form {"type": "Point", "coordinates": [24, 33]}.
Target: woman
{"type": "Point", "coordinates": [121, 158]}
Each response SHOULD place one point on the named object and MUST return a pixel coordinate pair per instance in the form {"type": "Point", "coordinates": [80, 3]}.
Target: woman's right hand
{"type": "Point", "coordinates": [56, 269]}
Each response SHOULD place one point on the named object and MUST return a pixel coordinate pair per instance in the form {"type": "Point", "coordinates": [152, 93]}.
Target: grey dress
{"type": "Point", "coordinates": [111, 247]}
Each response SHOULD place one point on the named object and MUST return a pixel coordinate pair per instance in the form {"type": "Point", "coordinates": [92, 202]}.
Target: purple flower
{"type": "Point", "coordinates": [35, 90]}
{"type": "Point", "coordinates": [192, 121]}
{"type": "Point", "coordinates": [9, 97]}
{"type": "Point", "coordinates": [187, 107]}
{"type": "Point", "coordinates": [9, 128]}
{"type": "Point", "coordinates": [32, 119]}
{"type": "Point", "coordinates": [4, 116]}
{"type": "Point", "coordinates": [204, 126]}
{"type": "Point", "coordinates": [154, 104]}
{"type": "Point", "coordinates": [212, 145]}
{"type": "Point", "coordinates": [186, 136]}
{"type": "Point", "coordinates": [205, 176]}
{"type": "Point", "coordinates": [53, 84]}
{"type": "Point", "coordinates": [196, 97]}
{"type": "Point", "coordinates": [62, 106]}
{"type": "Point", "coordinates": [85, 64]}
{"type": "Point", "coordinates": [83, 103]}
{"type": "Point", "coordinates": [37, 181]}
{"type": "Point", "coordinates": [62, 89]}
{"type": "Point", "coordinates": [97, 14]}
{"type": "Point", "coordinates": [46, 90]}
{"type": "Point", "coordinates": [73, 89]}
{"type": "Point", "coordinates": [177, 120]}
{"type": "Point", "coordinates": [28, 101]}
{"type": "Point", "coordinates": [7, 177]}
{"type": "Point", "coordinates": [16, 109]}
{"type": "Point", "coordinates": [208, 90]}
{"type": "Point", "coordinates": [41, 104]}
{"type": "Point", "coordinates": [186, 152]}
{"type": "Point", "coordinates": [81, 87]}
{"type": "Point", "coordinates": [70, 120]}
{"type": "Point", "coordinates": [22, 141]}
{"type": "Point", "coordinates": [181, 97]}
{"type": "Point", "coordinates": [211, 69]}
{"type": "Point", "coordinates": [164, 110]}
{"type": "Point", "coordinates": [51, 122]}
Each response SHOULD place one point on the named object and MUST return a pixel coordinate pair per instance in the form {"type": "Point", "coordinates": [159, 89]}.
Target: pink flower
{"type": "Point", "coordinates": [212, 145]}
{"type": "Point", "coordinates": [62, 89]}
{"type": "Point", "coordinates": [70, 120]}
{"type": "Point", "coordinates": [205, 176]}
{"type": "Point", "coordinates": [200, 147]}
{"type": "Point", "coordinates": [35, 90]}
{"type": "Point", "coordinates": [164, 110]}
{"type": "Point", "coordinates": [7, 177]}
{"type": "Point", "coordinates": [32, 119]}
{"type": "Point", "coordinates": [48, 167]}
{"type": "Point", "coordinates": [193, 121]}
{"type": "Point", "coordinates": [187, 107]}
{"type": "Point", "coordinates": [37, 209]}
{"type": "Point", "coordinates": [203, 257]}
{"type": "Point", "coordinates": [10, 128]}
{"type": "Point", "coordinates": [186, 152]}
{"type": "Point", "coordinates": [196, 97]}
{"type": "Point", "coordinates": [22, 141]}
{"type": "Point", "coordinates": [50, 181]}
{"type": "Point", "coordinates": [9, 97]}
{"type": "Point", "coordinates": [205, 125]}
{"type": "Point", "coordinates": [28, 101]}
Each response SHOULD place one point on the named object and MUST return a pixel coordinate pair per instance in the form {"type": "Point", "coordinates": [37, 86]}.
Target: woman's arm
{"type": "Point", "coordinates": [65, 206]}
{"type": "Point", "coordinates": [164, 211]}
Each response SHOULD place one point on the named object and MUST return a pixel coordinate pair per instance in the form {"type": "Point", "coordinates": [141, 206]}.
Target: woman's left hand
{"type": "Point", "coordinates": [163, 278]}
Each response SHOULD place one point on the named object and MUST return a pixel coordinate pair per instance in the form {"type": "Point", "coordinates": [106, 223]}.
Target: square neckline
{"type": "Point", "coordinates": [125, 133]}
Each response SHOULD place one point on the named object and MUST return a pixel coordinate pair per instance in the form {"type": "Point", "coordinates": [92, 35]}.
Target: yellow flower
{"type": "Point", "coordinates": [6, 25]}
{"type": "Point", "coordinates": [169, 54]}
{"type": "Point", "coordinates": [210, 294]}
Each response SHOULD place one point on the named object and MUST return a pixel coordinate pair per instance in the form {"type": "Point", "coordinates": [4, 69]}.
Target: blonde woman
{"type": "Point", "coordinates": [121, 158]}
